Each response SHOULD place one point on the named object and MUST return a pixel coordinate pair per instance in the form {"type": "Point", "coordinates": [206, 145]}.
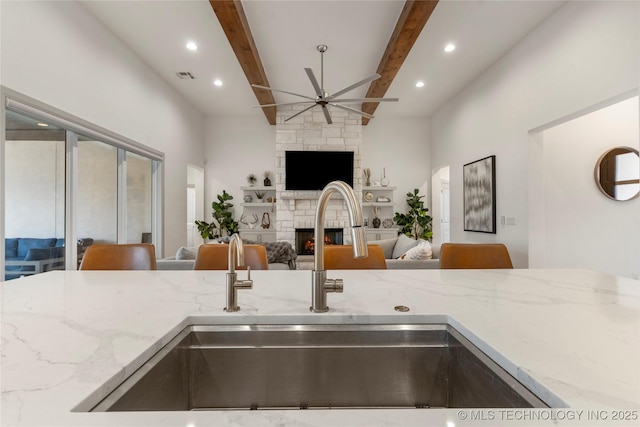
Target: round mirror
{"type": "Point", "coordinates": [617, 173]}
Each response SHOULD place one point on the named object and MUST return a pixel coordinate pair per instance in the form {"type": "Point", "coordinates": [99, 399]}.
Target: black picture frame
{"type": "Point", "coordinates": [479, 188]}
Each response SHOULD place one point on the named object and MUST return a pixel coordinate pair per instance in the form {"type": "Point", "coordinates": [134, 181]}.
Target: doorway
{"type": "Point", "coordinates": [195, 203]}
{"type": "Point", "coordinates": [440, 203]}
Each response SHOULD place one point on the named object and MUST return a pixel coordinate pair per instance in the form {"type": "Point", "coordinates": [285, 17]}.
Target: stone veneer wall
{"type": "Point", "coordinates": [310, 132]}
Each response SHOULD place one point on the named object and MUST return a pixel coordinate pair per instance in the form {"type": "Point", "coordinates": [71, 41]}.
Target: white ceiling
{"type": "Point", "coordinates": [286, 34]}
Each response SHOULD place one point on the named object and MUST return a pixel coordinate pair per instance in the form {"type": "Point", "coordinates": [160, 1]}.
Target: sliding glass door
{"type": "Point", "coordinates": [67, 185]}
{"type": "Point", "coordinates": [96, 197]}
{"type": "Point", "coordinates": [35, 196]}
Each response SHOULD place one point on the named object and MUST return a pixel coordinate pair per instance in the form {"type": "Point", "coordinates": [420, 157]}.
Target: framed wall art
{"type": "Point", "coordinates": [479, 187]}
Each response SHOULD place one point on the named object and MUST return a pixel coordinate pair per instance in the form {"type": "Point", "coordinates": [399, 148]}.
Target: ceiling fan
{"type": "Point", "coordinates": [323, 98]}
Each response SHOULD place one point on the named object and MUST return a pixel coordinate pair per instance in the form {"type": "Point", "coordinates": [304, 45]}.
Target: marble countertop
{"type": "Point", "coordinates": [571, 335]}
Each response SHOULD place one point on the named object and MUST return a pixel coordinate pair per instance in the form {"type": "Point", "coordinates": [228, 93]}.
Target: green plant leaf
{"type": "Point", "coordinates": [416, 223]}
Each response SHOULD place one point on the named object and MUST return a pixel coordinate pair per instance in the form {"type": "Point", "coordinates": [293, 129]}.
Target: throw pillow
{"type": "Point", "coordinates": [186, 253]}
{"type": "Point", "coordinates": [387, 246]}
{"type": "Point", "coordinates": [420, 252]}
{"type": "Point", "coordinates": [403, 244]}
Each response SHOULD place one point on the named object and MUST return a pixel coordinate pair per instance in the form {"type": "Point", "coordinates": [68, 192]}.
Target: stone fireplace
{"type": "Point", "coordinates": [310, 132]}
{"type": "Point", "coordinates": [305, 240]}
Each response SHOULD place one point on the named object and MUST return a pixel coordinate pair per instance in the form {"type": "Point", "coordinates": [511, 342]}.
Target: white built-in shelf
{"type": "Point", "coordinates": [380, 188]}
{"type": "Point", "coordinates": [259, 188]}
{"type": "Point", "coordinates": [266, 204]}
{"type": "Point", "coordinates": [377, 204]}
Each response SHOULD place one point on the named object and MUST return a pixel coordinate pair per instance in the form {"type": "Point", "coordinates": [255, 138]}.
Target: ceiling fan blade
{"type": "Point", "coordinates": [314, 82]}
{"type": "Point", "coordinates": [355, 85]}
{"type": "Point", "coordinates": [284, 103]}
{"type": "Point", "coordinates": [299, 112]}
{"type": "Point", "coordinates": [356, 100]}
{"type": "Point", "coordinates": [283, 91]}
{"type": "Point", "coordinates": [352, 110]}
{"type": "Point", "coordinates": [327, 116]}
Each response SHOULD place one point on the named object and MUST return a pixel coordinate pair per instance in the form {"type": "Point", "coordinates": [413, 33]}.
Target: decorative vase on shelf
{"type": "Point", "coordinates": [367, 176]}
{"type": "Point", "coordinates": [267, 179]}
{"type": "Point", "coordinates": [384, 181]}
{"type": "Point", "coordinates": [248, 198]}
{"type": "Point", "coordinates": [376, 219]}
{"type": "Point", "coordinates": [266, 221]}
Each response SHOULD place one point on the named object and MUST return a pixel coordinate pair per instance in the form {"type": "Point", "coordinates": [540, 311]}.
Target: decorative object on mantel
{"type": "Point", "coordinates": [417, 222]}
{"type": "Point", "coordinates": [267, 179]}
{"type": "Point", "coordinates": [384, 181]}
{"type": "Point", "coordinates": [367, 177]}
{"type": "Point", "coordinates": [383, 199]}
{"type": "Point", "coordinates": [250, 224]}
{"type": "Point", "coordinates": [266, 220]}
{"type": "Point", "coordinates": [223, 217]}
{"type": "Point", "coordinates": [368, 196]}
{"type": "Point", "coordinates": [387, 223]}
{"type": "Point", "coordinates": [248, 198]}
{"type": "Point", "coordinates": [252, 179]}
{"type": "Point", "coordinates": [322, 97]}
{"type": "Point", "coordinates": [375, 221]}
{"type": "Point", "coordinates": [260, 195]}
{"type": "Point", "coordinates": [478, 184]}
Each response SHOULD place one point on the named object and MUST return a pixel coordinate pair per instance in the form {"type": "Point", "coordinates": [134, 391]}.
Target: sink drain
{"type": "Point", "coordinates": [401, 308]}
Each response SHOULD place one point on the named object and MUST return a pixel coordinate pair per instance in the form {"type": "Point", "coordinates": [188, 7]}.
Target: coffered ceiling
{"type": "Point", "coordinates": [286, 33]}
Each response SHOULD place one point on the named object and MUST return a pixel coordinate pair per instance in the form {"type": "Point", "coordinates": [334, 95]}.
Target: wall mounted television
{"type": "Point", "coordinates": [313, 170]}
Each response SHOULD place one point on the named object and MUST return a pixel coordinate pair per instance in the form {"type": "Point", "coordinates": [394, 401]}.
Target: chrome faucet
{"type": "Point", "coordinates": [320, 285]}
{"type": "Point", "coordinates": [235, 246]}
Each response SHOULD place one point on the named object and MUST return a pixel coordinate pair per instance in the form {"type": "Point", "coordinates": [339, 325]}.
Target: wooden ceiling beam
{"type": "Point", "coordinates": [413, 18]}
{"type": "Point", "coordinates": [236, 27]}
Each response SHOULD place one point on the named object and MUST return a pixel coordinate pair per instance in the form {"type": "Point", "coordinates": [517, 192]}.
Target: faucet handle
{"type": "Point", "coordinates": [244, 284]}
{"type": "Point", "coordinates": [334, 285]}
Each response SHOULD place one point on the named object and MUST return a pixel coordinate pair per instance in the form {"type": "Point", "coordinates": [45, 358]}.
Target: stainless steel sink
{"type": "Point", "coordinates": [318, 366]}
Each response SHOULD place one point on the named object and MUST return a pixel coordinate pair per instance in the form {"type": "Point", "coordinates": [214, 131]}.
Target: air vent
{"type": "Point", "coordinates": [186, 75]}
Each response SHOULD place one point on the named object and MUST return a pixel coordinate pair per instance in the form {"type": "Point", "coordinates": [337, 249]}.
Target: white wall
{"type": "Point", "coordinates": [59, 54]}
{"type": "Point", "coordinates": [402, 146]}
{"type": "Point", "coordinates": [236, 147]}
{"type": "Point", "coordinates": [584, 228]}
{"type": "Point", "coordinates": [585, 53]}
{"type": "Point", "coordinates": [36, 207]}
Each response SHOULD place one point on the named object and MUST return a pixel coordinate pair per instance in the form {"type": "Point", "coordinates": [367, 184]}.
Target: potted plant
{"type": "Point", "coordinates": [417, 222]}
{"type": "Point", "coordinates": [223, 219]}
{"type": "Point", "coordinates": [252, 179]}
{"type": "Point", "coordinates": [260, 195]}
{"type": "Point", "coordinates": [207, 231]}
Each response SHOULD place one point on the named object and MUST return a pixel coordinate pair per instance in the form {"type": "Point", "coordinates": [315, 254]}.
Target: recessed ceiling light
{"type": "Point", "coordinates": [44, 125]}
{"type": "Point", "coordinates": [450, 47]}
{"type": "Point", "coordinates": [420, 83]}
{"type": "Point", "coordinates": [192, 46]}
{"type": "Point", "coordinates": [217, 82]}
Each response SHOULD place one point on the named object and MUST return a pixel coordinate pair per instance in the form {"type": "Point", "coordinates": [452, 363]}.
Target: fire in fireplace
{"type": "Point", "coordinates": [305, 241]}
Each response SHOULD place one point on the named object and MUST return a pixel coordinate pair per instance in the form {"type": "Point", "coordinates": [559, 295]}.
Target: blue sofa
{"type": "Point", "coordinates": [26, 255]}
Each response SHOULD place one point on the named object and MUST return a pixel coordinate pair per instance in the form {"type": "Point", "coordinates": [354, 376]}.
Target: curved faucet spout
{"type": "Point", "coordinates": [355, 221]}
{"type": "Point", "coordinates": [236, 246]}
{"type": "Point", "coordinates": [320, 285]}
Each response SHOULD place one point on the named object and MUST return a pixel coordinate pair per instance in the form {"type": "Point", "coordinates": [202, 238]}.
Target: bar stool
{"type": "Point", "coordinates": [132, 256]}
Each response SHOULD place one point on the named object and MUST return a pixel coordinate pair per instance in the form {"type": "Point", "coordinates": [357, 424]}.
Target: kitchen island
{"type": "Point", "coordinates": [571, 336]}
